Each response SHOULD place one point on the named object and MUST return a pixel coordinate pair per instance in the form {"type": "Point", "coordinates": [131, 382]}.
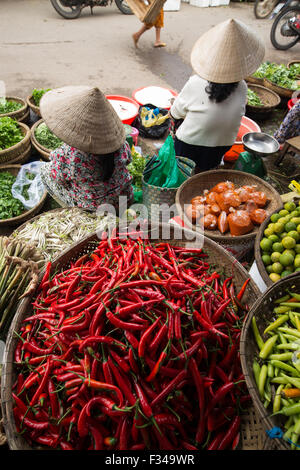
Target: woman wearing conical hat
{"type": "Point", "coordinates": [212, 102]}
{"type": "Point", "coordinates": [90, 168]}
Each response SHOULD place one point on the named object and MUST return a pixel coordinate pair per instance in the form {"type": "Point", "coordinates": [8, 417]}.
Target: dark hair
{"type": "Point", "coordinates": [108, 165]}
{"type": "Point", "coordinates": [218, 92]}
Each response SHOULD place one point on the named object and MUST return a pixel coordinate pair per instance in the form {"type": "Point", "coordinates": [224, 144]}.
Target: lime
{"type": "Point", "coordinates": [283, 234]}
{"type": "Point", "coordinates": [286, 259]}
{"type": "Point", "coordinates": [268, 232]}
{"type": "Point", "coordinates": [277, 268]}
{"type": "Point", "coordinates": [290, 206]}
{"type": "Point", "coordinates": [296, 220]}
{"type": "Point", "coordinates": [297, 269]}
{"type": "Point", "coordinates": [297, 262]}
{"type": "Point", "coordinates": [275, 217]}
{"type": "Point", "coordinates": [269, 268]}
{"type": "Point", "coordinates": [283, 212]}
{"type": "Point", "coordinates": [294, 214]}
{"type": "Point", "coordinates": [297, 248]}
{"type": "Point", "coordinates": [290, 268]}
{"type": "Point", "coordinates": [274, 238]}
{"type": "Point", "coordinates": [288, 242]}
{"type": "Point", "coordinates": [298, 228]}
{"type": "Point", "coordinates": [274, 277]}
{"type": "Point", "coordinates": [284, 274]}
{"type": "Point", "coordinates": [294, 234]}
{"type": "Point", "coordinates": [277, 246]}
{"type": "Point", "coordinates": [275, 256]}
{"type": "Point", "coordinates": [266, 259]}
{"type": "Point", "coordinates": [290, 252]}
{"type": "Point", "coordinates": [289, 226]}
{"type": "Point", "coordinates": [266, 244]}
{"type": "Point", "coordinates": [278, 227]}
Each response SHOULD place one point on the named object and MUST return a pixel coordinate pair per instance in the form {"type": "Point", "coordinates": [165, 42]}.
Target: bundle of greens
{"type": "Point", "coordinates": [10, 132]}
{"type": "Point", "coordinates": [295, 69]}
{"type": "Point", "coordinates": [253, 98]}
{"type": "Point", "coordinates": [136, 168]}
{"type": "Point", "coordinates": [46, 138]}
{"type": "Point", "coordinates": [281, 75]}
{"type": "Point", "coordinates": [9, 206]}
{"type": "Point", "coordinates": [9, 106]}
{"type": "Point", "coordinates": [37, 95]}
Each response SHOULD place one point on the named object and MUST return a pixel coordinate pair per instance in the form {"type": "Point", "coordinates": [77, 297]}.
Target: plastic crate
{"type": "Point", "coordinates": [172, 5]}
{"type": "Point", "coordinates": [200, 3]}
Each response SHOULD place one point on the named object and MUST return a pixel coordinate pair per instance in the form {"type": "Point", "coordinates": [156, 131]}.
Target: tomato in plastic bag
{"type": "Point", "coordinates": [258, 216]}
{"type": "Point", "coordinates": [239, 223]}
{"type": "Point", "coordinates": [209, 222]}
{"type": "Point", "coordinates": [223, 186]}
{"type": "Point", "coordinates": [223, 225]}
{"type": "Point", "coordinates": [228, 199]}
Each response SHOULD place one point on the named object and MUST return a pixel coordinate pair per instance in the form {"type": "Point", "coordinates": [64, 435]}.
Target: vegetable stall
{"type": "Point", "coordinates": [149, 341]}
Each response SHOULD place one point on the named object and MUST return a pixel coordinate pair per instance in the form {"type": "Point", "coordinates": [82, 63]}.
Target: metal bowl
{"type": "Point", "coordinates": [260, 143]}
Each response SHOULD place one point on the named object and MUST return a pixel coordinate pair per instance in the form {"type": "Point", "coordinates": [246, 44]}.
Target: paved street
{"type": "Point", "coordinates": [38, 48]}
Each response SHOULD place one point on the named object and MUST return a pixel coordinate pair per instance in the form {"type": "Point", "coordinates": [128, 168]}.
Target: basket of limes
{"type": "Point", "coordinates": [277, 244]}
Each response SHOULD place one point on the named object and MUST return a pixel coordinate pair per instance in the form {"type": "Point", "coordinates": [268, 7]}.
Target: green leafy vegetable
{"type": "Point", "coordinates": [8, 106]}
{"type": "Point", "coordinates": [253, 98]}
{"type": "Point", "coordinates": [10, 132]}
{"type": "Point", "coordinates": [46, 138]}
{"type": "Point", "coordinates": [136, 168]}
{"type": "Point", "coordinates": [295, 68]}
{"type": "Point", "coordinates": [38, 93]}
{"type": "Point", "coordinates": [9, 206]}
{"type": "Point", "coordinates": [278, 74]}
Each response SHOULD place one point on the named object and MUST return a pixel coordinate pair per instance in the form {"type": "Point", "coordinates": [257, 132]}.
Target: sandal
{"type": "Point", "coordinates": [161, 44]}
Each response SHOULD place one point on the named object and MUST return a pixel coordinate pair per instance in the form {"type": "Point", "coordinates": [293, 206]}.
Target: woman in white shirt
{"type": "Point", "coordinates": [212, 102]}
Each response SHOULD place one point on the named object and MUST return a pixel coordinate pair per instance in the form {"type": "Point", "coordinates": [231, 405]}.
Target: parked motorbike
{"type": "Point", "coordinates": [71, 9]}
{"type": "Point", "coordinates": [270, 8]}
{"type": "Point", "coordinates": [285, 31]}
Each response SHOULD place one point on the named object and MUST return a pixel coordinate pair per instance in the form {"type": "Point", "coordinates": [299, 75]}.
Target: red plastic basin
{"type": "Point", "coordinates": [247, 125]}
{"type": "Point", "coordinates": [292, 102]}
{"type": "Point", "coordinates": [124, 106]}
{"type": "Point", "coordinates": [174, 93]}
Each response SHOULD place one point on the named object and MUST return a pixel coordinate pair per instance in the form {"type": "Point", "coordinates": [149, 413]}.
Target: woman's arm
{"type": "Point", "coordinates": [179, 108]}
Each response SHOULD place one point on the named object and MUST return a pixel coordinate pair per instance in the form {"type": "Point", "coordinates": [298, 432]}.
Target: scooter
{"type": "Point", "coordinates": [71, 9]}
{"type": "Point", "coordinates": [270, 8]}
{"type": "Point", "coordinates": [285, 31]}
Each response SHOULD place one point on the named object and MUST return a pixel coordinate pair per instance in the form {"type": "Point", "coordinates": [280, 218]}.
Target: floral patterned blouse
{"type": "Point", "coordinates": [290, 126]}
{"type": "Point", "coordinates": [78, 175]}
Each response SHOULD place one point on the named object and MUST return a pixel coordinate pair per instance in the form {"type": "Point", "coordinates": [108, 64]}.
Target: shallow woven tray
{"type": "Point", "coordinates": [262, 310]}
{"type": "Point", "coordinates": [195, 186]}
{"type": "Point", "coordinates": [18, 150]}
{"type": "Point", "coordinates": [215, 253]}
{"type": "Point", "coordinates": [32, 106]}
{"type": "Point", "coordinates": [21, 113]}
{"type": "Point", "coordinates": [14, 169]}
{"type": "Point", "coordinates": [268, 97]}
{"type": "Point", "coordinates": [43, 151]}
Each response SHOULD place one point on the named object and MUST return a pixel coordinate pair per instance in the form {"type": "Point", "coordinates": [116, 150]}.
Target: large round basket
{"type": "Point", "coordinates": [19, 150]}
{"type": "Point", "coordinates": [238, 246]}
{"type": "Point", "coordinates": [270, 101]}
{"type": "Point", "coordinates": [294, 62]}
{"type": "Point", "coordinates": [255, 80]}
{"type": "Point", "coordinates": [284, 93]}
{"type": "Point", "coordinates": [33, 106]}
{"type": "Point", "coordinates": [262, 310]}
{"type": "Point", "coordinates": [43, 151]}
{"type": "Point", "coordinates": [21, 114]}
{"type": "Point", "coordinates": [176, 236]}
{"type": "Point", "coordinates": [14, 170]}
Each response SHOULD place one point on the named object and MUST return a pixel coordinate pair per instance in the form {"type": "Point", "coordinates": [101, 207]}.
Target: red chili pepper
{"type": "Point", "coordinates": [170, 387]}
{"type": "Point", "coordinates": [124, 325]}
{"type": "Point", "coordinates": [242, 291]}
{"type": "Point", "coordinates": [145, 336]}
{"type": "Point", "coordinates": [122, 383]}
{"type": "Point", "coordinates": [96, 385]}
{"type": "Point", "coordinates": [157, 366]}
{"type": "Point", "coordinates": [230, 433]}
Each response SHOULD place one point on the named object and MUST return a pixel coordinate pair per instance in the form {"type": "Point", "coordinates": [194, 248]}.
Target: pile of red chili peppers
{"type": "Point", "coordinates": [134, 346]}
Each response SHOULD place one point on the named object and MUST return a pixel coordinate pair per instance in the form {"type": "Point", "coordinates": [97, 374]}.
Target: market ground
{"type": "Point", "coordinates": [38, 48]}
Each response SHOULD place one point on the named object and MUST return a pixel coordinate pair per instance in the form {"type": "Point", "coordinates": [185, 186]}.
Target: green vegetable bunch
{"type": "Point", "coordinates": [278, 74]}
{"type": "Point", "coordinates": [38, 93]}
{"type": "Point", "coordinates": [253, 98]}
{"type": "Point", "coordinates": [9, 206]}
{"type": "Point", "coordinates": [10, 132]}
{"type": "Point", "coordinates": [8, 106]}
{"type": "Point", "coordinates": [136, 169]}
{"type": "Point", "coordinates": [295, 69]}
{"type": "Point", "coordinates": [46, 138]}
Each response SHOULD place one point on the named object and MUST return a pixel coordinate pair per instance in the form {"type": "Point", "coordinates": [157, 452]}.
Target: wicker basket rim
{"type": "Point", "coordinates": [13, 113]}
{"type": "Point", "coordinates": [26, 131]}
{"type": "Point", "coordinates": [267, 91]}
{"type": "Point", "coordinates": [224, 238]}
{"type": "Point", "coordinates": [34, 141]}
{"type": "Point", "coordinates": [278, 86]}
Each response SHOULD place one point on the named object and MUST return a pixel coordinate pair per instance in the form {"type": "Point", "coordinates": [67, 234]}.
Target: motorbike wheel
{"type": "Point", "coordinates": [124, 7]}
{"type": "Point", "coordinates": [263, 8]}
{"type": "Point", "coordinates": [66, 9]}
{"type": "Point", "coordinates": [282, 37]}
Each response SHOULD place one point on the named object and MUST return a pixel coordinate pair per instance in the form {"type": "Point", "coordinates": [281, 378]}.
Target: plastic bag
{"type": "Point", "coordinates": [250, 164]}
{"type": "Point", "coordinates": [160, 121]}
{"type": "Point", "coordinates": [28, 187]}
{"type": "Point", "coordinates": [167, 174]}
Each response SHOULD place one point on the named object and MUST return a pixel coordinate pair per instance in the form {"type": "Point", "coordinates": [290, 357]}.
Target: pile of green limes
{"type": "Point", "coordinates": [280, 247]}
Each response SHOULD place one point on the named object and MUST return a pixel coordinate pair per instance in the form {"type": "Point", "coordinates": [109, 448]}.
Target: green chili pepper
{"type": "Point", "coordinates": [286, 367]}
{"type": "Point", "coordinates": [276, 323]}
{"type": "Point", "coordinates": [290, 331]}
{"type": "Point", "coordinates": [291, 304]}
{"type": "Point", "coordinates": [294, 295]}
{"type": "Point", "coordinates": [262, 379]}
{"type": "Point", "coordinates": [292, 380]}
{"type": "Point", "coordinates": [289, 410]}
{"type": "Point", "coordinates": [282, 357]}
{"type": "Point", "coordinates": [270, 370]}
{"type": "Point", "coordinates": [256, 371]}
{"type": "Point", "coordinates": [277, 398]}
{"type": "Point", "coordinates": [279, 310]}
{"type": "Point", "coordinates": [257, 336]}
{"type": "Point", "coordinates": [282, 299]}
{"type": "Point", "coordinates": [279, 380]}
{"type": "Point", "coordinates": [295, 434]}
{"type": "Point", "coordinates": [268, 347]}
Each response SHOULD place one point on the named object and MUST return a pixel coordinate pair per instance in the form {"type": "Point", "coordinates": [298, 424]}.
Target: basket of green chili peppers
{"type": "Point", "coordinates": [270, 357]}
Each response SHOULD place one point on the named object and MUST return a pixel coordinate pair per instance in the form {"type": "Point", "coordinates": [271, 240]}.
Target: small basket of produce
{"type": "Point", "coordinates": [14, 107]}
{"type": "Point", "coordinates": [270, 357]}
{"type": "Point", "coordinates": [228, 205]}
{"type": "Point", "coordinates": [12, 211]}
{"type": "Point", "coordinates": [294, 66]}
{"type": "Point", "coordinates": [43, 140]}
{"type": "Point", "coordinates": [34, 99]}
{"type": "Point", "coordinates": [160, 348]}
{"type": "Point", "coordinates": [261, 101]}
{"type": "Point", "coordinates": [278, 78]}
{"type": "Point", "coordinates": [277, 245]}
{"type": "Point", "coordinates": [15, 141]}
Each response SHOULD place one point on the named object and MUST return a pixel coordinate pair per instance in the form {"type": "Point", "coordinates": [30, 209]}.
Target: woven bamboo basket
{"type": "Point", "coordinates": [238, 246]}
{"type": "Point", "coordinates": [43, 151]}
{"type": "Point", "coordinates": [270, 101]}
{"type": "Point", "coordinates": [282, 92]}
{"type": "Point", "coordinates": [177, 236]}
{"type": "Point", "coordinates": [262, 310]}
{"type": "Point", "coordinates": [14, 169]}
{"type": "Point", "coordinates": [292, 62]}
{"type": "Point", "coordinates": [18, 150]}
{"type": "Point", "coordinates": [255, 80]}
{"type": "Point", "coordinates": [33, 106]}
{"type": "Point", "coordinates": [21, 114]}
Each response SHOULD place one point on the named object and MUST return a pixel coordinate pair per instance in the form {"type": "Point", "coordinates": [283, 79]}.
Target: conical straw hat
{"type": "Point", "coordinates": [227, 53]}
{"type": "Point", "coordinates": [82, 117]}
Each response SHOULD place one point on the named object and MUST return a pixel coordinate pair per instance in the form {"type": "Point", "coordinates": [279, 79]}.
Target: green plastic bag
{"type": "Point", "coordinates": [250, 163]}
{"type": "Point", "coordinates": [167, 174]}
